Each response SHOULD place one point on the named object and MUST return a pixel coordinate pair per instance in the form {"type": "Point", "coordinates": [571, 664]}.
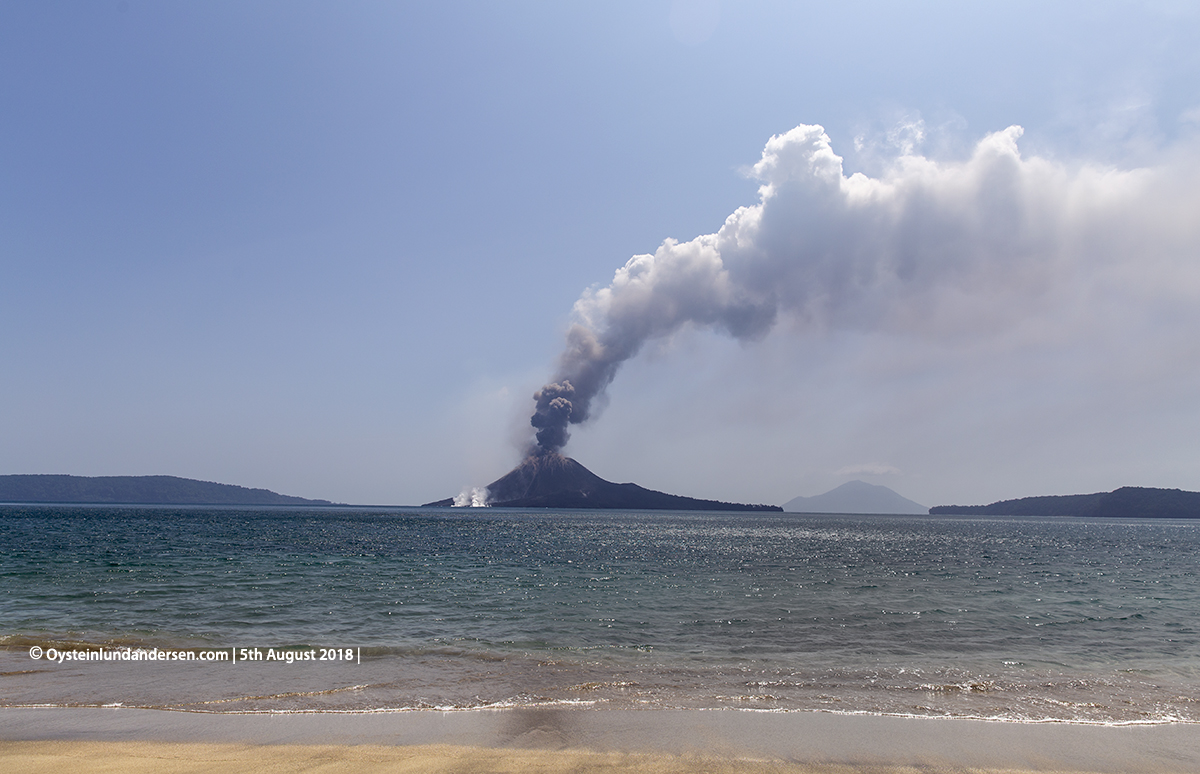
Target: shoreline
{"type": "Point", "coordinates": [573, 739]}
{"type": "Point", "coordinates": [589, 706]}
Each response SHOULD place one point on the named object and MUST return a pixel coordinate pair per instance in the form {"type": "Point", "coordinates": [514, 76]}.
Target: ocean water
{"type": "Point", "coordinates": [1008, 618]}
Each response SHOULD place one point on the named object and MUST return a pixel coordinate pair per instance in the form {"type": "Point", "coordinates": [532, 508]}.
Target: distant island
{"type": "Point", "coordinates": [1126, 502]}
{"type": "Point", "coordinates": [855, 497]}
{"type": "Point", "coordinates": [551, 480]}
{"type": "Point", "coordinates": [137, 490]}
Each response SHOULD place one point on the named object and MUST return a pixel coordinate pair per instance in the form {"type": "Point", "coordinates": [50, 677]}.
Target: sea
{"type": "Point", "coordinates": [292, 609]}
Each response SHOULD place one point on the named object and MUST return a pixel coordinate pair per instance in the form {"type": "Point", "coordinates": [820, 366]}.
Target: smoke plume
{"type": "Point", "coordinates": [925, 248]}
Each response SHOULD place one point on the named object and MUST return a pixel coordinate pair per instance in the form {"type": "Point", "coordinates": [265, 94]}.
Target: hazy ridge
{"type": "Point", "coordinates": [1128, 501]}
{"type": "Point", "coordinates": [137, 490]}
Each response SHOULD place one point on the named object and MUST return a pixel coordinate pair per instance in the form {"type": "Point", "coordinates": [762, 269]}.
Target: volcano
{"type": "Point", "coordinates": [550, 480]}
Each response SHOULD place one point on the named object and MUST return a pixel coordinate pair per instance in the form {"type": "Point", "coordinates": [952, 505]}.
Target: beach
{"type": "Point", "coordinates": [159, 757]}
{"type": "Point", "coordinates": [561, 739]}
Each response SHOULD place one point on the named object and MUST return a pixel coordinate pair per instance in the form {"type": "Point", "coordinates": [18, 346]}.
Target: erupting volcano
{"type": "Point", "coordinates": [551, 480]}
{"type": "Point", "coordinates": [895, 254]}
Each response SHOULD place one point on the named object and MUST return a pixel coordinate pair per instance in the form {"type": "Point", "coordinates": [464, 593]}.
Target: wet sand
{"type": "Point", "coordinates": [561, 740]}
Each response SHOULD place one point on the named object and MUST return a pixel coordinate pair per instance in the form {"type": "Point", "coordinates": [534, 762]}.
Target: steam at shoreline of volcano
{"type": "Point", "coordinates": [929, 249]}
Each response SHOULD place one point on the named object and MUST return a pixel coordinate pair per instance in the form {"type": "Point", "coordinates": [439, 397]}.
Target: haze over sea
{"type": "Point", "coordinates": [1009, 618]}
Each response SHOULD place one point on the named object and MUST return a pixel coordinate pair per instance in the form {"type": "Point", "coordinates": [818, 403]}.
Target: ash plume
{"type": "Point", "coordinates": [928, 248]}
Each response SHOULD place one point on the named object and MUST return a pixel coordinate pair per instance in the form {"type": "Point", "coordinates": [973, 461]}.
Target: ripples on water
{"type": "Point", "coordinates": [1016, 618]}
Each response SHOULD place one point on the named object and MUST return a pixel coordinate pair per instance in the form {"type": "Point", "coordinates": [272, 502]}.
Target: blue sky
{"type": "Point", "coordinates": [332, 249]}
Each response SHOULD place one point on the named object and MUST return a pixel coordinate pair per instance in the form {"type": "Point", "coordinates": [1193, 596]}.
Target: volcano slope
{"type": "Point", "coordinates": [550, 480]}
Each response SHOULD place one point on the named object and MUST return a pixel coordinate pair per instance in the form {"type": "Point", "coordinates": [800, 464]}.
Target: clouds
{"type": "Point", "coordinates": [998, 251]}
{"type": "Point", "coordinates": [905, 251]}
{"type": "Point", "coordinates": [868, 469]}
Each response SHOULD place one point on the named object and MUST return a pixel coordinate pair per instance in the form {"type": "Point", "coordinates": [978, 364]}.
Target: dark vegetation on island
{"type": "Point", "coordinates": [551, 480]}
{"type": "Point", "coordinates": [1126, 502]}
{"type": "Point", "coordinates": [137, 490]}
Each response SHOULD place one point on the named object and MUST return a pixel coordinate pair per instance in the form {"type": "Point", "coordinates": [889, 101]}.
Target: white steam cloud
{"type": "Point", "coordinates": [928, 248]}
{"type": "Point", "coordinates": [476, 497]}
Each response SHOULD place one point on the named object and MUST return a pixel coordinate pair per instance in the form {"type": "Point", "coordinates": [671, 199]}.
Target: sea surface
{"type": "Point", "coordinates": [1030, 619]}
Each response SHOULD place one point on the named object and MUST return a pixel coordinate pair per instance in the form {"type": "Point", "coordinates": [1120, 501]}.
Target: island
{"type": "Point", "coordinates": [1126, 502]}
{"type": "Point", "coordinates": [552, 480]}
{"type": "Point", "coordinates": [136, 490]}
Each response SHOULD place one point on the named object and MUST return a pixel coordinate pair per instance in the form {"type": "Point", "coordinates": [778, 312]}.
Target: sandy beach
{"type": "Point", "coordinates": [168, 757]}
{"type": "Point", "coordinates": [558, 739]}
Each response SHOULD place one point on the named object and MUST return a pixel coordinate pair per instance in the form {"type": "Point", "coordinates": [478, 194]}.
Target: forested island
{"type": "Point", "coordinates": [1126, 502]}
{"type": "Point", "coordinates": [136, 490]}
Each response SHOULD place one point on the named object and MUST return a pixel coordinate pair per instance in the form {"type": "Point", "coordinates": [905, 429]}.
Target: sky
{"type": "Point", "coordinates": [333, 249]}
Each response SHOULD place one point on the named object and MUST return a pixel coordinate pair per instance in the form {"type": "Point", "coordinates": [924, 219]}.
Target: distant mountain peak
{"type": "Point", "coordinates": [855, 497]}
{"type": "Point", "coordinates": [859, 486]}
